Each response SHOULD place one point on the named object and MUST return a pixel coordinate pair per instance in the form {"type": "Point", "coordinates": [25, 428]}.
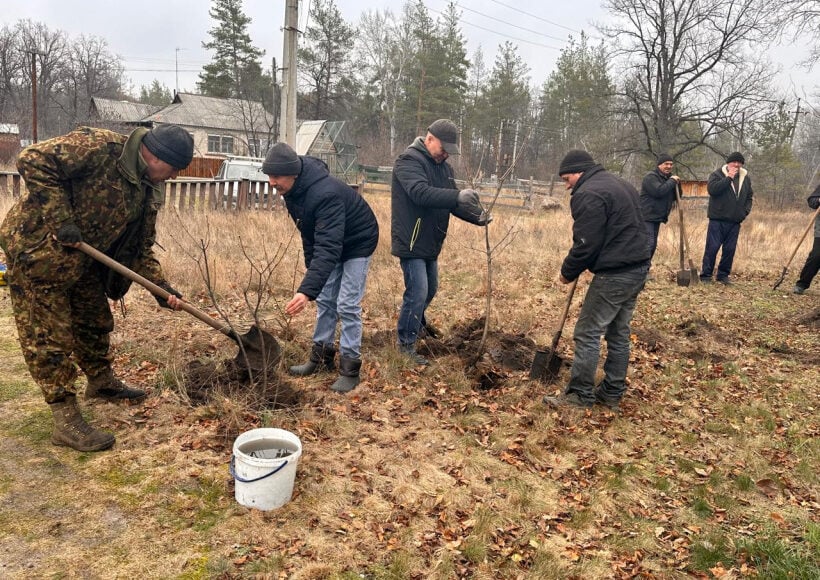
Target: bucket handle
{"type": "Point", "coordinates": [243, 480]}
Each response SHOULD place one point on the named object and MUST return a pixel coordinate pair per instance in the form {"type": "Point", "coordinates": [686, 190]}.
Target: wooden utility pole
{"type": "Point", "coordinates": [287, 112]}
{"type": "Point", "coordinates": [34, 55]}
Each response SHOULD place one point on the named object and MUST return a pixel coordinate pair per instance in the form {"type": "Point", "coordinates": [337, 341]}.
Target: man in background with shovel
{"type": "Point", "coordinates": [812, 264]}
{"type": "Point", "coordinates": [657, 198]}
{"type": "Point", "coordinates": [100, 187]}
{"type": "Point", "coordinates": [609, 239]}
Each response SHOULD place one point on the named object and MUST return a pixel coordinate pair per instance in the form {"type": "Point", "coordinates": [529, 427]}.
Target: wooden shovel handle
{"type": "Point", "coordinates": [564, 314]}
{"type": "Point", "coordinates": [152, 288]}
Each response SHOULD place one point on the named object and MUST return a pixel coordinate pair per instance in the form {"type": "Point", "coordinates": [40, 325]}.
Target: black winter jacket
{"type": "Point", "coordinates": [423, 194]}
{"type": "Point", "coordinates": [608, 233]}
{"type": "Point", "coordinates": [335, 222]}
{"type": "Point", "coordinates": [729, 201]}
{"type": "Point", "coordinates": [657, 196]}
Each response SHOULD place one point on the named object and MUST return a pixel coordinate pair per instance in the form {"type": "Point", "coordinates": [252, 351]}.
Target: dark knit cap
{"type": "Point", "coordinates": [576, 161]}
{"type": "Point", "coordinates": [282, 160]}
{"type": "Point", "coordinates": [446, 132]}
{"type": "Point", "coordinates": [736, 156]}
{"type": "Point", "coordinates": [171, 144]}
{"type": "Point", "coordinates": [663, 158]}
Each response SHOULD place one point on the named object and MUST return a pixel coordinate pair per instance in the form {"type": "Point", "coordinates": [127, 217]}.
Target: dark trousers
{"type": "Point", "coordinates": [811, 267]}
{"type": "Point", "coordinates": [719, 234]}
{"type": "Point", "coordinates": [652, 230]}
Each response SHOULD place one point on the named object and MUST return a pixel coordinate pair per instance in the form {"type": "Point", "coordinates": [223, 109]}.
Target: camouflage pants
{"type": "Point", "coordinates": [60, 328]}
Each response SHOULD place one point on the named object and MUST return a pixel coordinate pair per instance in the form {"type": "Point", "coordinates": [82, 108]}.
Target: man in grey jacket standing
{"type": "Point", "coordinates": [423, 195]}
{"type": "Point", "coordinates": [730, 201]}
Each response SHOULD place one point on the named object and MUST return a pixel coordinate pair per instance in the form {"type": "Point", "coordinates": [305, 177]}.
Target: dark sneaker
{"type": "Point", "coordinates": [428, 330]}
{"type": "Point", "coordinates": [725, 282]}
{"type": "Point", "coordinates": [799, 289]}
{"type": "Point", "coordinates": [566, 400]}
{"type": "Point", "coordinates": [608, 403]}
{"type": "Point", "coordinates": [705, 280]}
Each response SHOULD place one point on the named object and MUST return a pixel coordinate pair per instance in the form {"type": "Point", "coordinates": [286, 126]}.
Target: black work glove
{"type": "Point", "coordinates": [69, 233]}
{"type": "Point", "coordinates": [814, 201]}
{"type": "Point", "coordinates": [468, 198]}
{"type": "Point", "coordinates": [168, 288]}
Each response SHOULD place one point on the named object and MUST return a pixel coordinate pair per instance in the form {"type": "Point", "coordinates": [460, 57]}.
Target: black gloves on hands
{"type": "Point", "coordinates": [168, 288]}
{"type": "Point", "coordinates": [468, 198]}
{"type": "Point", "coordinates": [69, 233]}
{"type": "Point", "coordinates": [484, 219]}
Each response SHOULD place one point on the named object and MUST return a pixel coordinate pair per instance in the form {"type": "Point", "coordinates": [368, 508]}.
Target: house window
{"type": "Point", "coordinates": [220, 144]}
{"type": "Point", "coordinates": [254, 147]}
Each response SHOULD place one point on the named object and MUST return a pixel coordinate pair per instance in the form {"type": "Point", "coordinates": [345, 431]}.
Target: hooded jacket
{"type": "Point", "coordinates": [335, 223]}
{"type": "Point", "coordinates": [730, 200]}
{"type": "Point", "coordinates": [657, 196]}
{"type": "Point", "coordinates": [608, 233]}
{"type": "Point", "coordinates": [423, 194]}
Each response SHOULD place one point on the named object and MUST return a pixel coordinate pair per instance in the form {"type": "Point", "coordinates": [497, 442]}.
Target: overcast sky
{"type": "Point", "coordinates": [162, 39]}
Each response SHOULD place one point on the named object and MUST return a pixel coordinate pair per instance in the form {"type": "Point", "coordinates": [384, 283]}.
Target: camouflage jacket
{"type": "Point", "coordinates": [96, 179]}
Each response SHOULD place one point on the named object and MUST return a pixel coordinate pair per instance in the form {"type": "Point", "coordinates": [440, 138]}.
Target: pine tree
{"type": "Point", "coordinates": [155, 94]}
{"type": "Point", "coordinates": [235, 71]}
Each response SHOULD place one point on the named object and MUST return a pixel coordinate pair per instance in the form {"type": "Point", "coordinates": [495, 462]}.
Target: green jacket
{"type": "Point", "coordinates": [96, 179]}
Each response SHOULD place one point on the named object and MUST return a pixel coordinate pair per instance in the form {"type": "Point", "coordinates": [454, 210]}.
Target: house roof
{"type": "Point", "coordinates": [120, 111]}
{"type": "Point", "coordinates": [210, 112]}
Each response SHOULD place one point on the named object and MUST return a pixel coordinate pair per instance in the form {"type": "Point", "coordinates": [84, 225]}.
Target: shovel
{"type": "Point", "coordinates": [258, 350]}
{"type": "Point", "coordinates": [814, 216]}
{"type": "Point", "coordinates": [685, 277]}
{"type": "Point", "coordinates": [546, 363]}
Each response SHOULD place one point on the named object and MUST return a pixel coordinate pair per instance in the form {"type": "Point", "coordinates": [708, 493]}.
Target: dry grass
{"type": "Point", "coordinates": [710, 469]}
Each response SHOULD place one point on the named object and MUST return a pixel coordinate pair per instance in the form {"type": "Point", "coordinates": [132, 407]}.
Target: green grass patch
{"type": "Point", "coordinates": [707, 552]}
{"type": "Point", "coordinates": [10, 390]}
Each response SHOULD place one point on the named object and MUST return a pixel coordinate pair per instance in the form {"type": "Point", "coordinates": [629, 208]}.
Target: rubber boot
{"type": "Point", "coordinates": [71, 430]}
{"type": "Point", "coordinates": [106, 386]}
{"type": "Point", "coordinates": [348, 375]}
{"type": "Point", "coordinates": [321, 359]}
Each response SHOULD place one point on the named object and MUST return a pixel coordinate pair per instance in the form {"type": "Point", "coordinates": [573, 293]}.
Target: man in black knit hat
{"type": "Point", "coordinates": [657, 198]}
{"type": "Point", "coordinates": [103, 188]}
{"type": "Point", "coordinates": [730, 201]}
{"type": "Point", "coordinates": [339, 235]}
{"type": "Point", "coordinates": [610, 240]}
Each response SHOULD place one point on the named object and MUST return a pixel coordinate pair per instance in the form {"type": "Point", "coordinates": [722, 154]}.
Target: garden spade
{"type": "Point", "coordinates": [258, 350]}
{"type": "Point", "coordinates": [815, 216]}
{"type": "Point", "coordinates": [546, 363]}
{"type": "Point", "coordinates": [685, 277]}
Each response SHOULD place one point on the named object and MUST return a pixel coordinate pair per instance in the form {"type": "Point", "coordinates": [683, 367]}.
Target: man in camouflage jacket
{"type": "Point", "coordinates": [100, 187]}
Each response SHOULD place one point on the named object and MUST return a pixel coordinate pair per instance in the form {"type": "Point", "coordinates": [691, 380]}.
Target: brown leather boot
{"type": "Point", "coordinates": [71, 430]}
{"type": "Point", "coordinates": [107, 386]}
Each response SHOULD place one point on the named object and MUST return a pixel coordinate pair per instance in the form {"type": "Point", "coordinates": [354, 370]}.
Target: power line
{"type": "Point", "coordinates": [462, 7]}
{"type": "Point", "coordinates": [536, 16]}
{"type": "Point", "coordinates": [462, 21]}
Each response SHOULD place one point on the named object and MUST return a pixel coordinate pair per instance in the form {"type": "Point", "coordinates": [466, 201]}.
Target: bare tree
{"type": "Point", "coordinates": [691, 70]}
{"type": "Point", "coordinates": [802, 17]}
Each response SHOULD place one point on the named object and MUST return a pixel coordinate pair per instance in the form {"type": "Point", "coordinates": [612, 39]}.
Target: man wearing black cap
{"type": "Point", "coordinates": [658, 197]}
{"type": "Point", "coordinates": [730, 201]}
{"type": "Point", "coordinates": [610, 240]}
{"type": "Point", "coordinates": [423, 195]}
{"type": "Point", "coordinates": [339, 235]}
{"type": "Point", "coordinates": [103, 188]}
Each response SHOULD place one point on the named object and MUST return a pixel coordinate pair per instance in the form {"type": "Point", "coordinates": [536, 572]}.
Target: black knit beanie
{"type": "Point", "coordinates": [663, 158]}
{"type": "Point", "coordinates": [171, 144]}
{"type": "Point", "coordinates": [282, 160]}
{"type": "Point", "coordinates": [576, 161]}
{"type": "Point", "coordinates": [736, 156]}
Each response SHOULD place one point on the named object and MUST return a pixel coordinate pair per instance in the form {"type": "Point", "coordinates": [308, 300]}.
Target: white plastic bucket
{"type": "Point", "coordinates": [264, 467]}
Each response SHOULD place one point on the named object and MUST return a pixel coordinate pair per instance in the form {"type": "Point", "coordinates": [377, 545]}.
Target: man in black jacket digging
{"type": "Point", "coordinates": [339, 235]}
{"type": "Point", "coordinates": [610, 240]}
{"type": "Point", "coordinates": [423, 195]}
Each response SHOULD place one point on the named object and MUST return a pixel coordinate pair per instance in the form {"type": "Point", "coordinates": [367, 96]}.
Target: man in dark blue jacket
{"type": "Point", "coordinates": [657, 198]}
{"type": "Point", "coordinates": [730, 201]}
{"type": "Point", "coordinates": [423, 195]}
{"type": "Point", "coordinates": [608, 239]}
{"type": "Point", "coordinates": [339, 235]}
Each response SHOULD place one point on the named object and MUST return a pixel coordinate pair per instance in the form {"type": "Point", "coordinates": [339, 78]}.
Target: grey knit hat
{"type": "Point", "coordinates": [576, 161]}
{"type": "Point", "coordinates": [282, 160]}
{"type": "Point", "coordinates": [663, 158]}
{"type": "Point", "coordinates": [171, 144]}
{"type": "Point", "coordinates": [446, 132]}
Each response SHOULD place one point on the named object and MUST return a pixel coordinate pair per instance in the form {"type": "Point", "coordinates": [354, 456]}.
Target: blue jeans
{"type": "Point", "coordinates": [607, 312]}
{"type": "Point", "coordinates": [420, 286]}
{"type": "Point", "coordinates": [652, 231]}
{"type": "Point", "coordinates": [341, 299]}
{"type": "Point", "coordinates": [719, 234]}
